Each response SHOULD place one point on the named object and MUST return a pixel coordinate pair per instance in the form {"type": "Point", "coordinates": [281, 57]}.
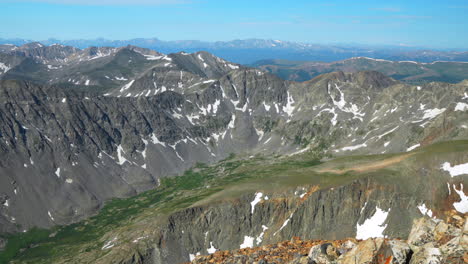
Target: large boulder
{"type": "Point", "coordinates": [377, 250]}
{"type": "Point", "coordinates": [323, 254]}
{"type": "Point", "coordinates": [426, 230]}
{"type": "Point", "coordinates": [435, 241]}
{"type": "Point", "coordinates": [422, 232]}
{"type": "Point", "coordinates": [427, 255]}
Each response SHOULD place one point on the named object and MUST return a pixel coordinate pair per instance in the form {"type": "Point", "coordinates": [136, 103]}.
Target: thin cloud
{"type": "Point", "coordinates": [106, 2]}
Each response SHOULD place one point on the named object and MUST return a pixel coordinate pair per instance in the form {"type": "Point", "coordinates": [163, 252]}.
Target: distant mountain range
{"type": "Point", "coordinates": [251, 50]}
{"type": "Point", "coordinates": [408, 71]}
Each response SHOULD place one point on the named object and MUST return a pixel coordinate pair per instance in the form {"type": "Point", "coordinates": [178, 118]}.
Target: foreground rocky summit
{"type": "Point", "coordinates": [430, 242]}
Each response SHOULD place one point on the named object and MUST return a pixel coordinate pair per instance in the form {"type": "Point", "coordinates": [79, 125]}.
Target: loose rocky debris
{"type": "Point", "coordinates": [430, 241]}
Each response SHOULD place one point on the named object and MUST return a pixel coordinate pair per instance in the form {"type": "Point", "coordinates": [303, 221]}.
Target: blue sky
{"type": "Point", "coordinates": [442, 24]}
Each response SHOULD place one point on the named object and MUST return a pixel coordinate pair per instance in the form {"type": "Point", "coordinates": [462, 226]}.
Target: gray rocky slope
{"type": "Point", "coordinates": [80, 129]}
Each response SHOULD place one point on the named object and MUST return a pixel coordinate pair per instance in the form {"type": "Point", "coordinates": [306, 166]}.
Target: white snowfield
{"type": "Point", "coordinates": [4, 67]}
{"type": "Point", "coordinates": [456, 170]}
{"type": "Point", "coordinates": [212, 249]}
{"type": "Point", "coordinates": [109, 244]}
{"type": "Point", "coordinates": [413, 147]}
{"type": "Point", "coordinates": [260, 237]}
{"type": "Point", "coordinates": [462, 205]}
{"type": "Point", "coordinates": [120, 156]}
{"type": "Point", "coordinates": [461, 107]}
{"type": "Point", "coordinates": [424, 210]}
{"type": "Point", "coordinates": [57, 172]}
{"type": "Point", "coordinates": [374, 226]}
{"type": "Point", "coordinates": [354, 147]}
{"type": "Point", "coordinates": [257, 199]}
{"type": "Point", "coordinates": [248, 242]}
{"type": "Point", "coordinates": [432, 113]}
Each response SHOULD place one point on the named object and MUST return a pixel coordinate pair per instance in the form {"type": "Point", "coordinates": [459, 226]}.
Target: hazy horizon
{"type": "Point", "coordinates": [51, 41]}
{"type": "Point", "coordinates": [417, 23]}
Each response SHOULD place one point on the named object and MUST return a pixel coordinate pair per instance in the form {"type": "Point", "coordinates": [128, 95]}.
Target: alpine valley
{"type": "Point", "coordinates": [128, 155]}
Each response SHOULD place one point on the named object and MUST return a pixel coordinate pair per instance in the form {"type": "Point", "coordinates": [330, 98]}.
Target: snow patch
{"type": "Point", "coordinates": [462, 205]}
{"type": "Point", "coordinates": [284, 224]}
{"type": "Point", "coordinates": [260, 237]}
{"type": "Point", "coordinates": [257, 199]}
{"type": "Point", "coordinates": [461, 107]}
{"type": "Point", "coordinates": [128, 85]}
{"type": "Point", "coordinates": [456, 170]}
{"type": "Point", "coordinates": [353, 109]}
{"type": "Point", "coordinates": [248, 242]}
{"type": "Point", "coordinates": [388, 132]}
{"type": "Point", "coordinates": [288, 108]}
{"type": "Point", "coordinates": [372, 227]}
{"type": "Point", "coordinates": [413, 147]}
{"type": "Point", "coordinates": [200, 57]}
{"type": "Point", "coordinates": [177, 115]}
{"type": "Point", "coordinates": [57, 172]}
{"type": "Point", "coordinates": [4, 67]}
{"type": "Point", "coordinates": [354, 147]}
{"type": "Point", "coordinates": [121, 158]}
{"type": "Point", "coordinates": [232, 122]}
{"type": "Point", "coordinates": [212, 249]}
{"type": "Point", "coordinates": [109, 244]}
{"type": "Point", "coordinates": [139, 238]}
{"type": "Point", "coordinates": [424, 210]}
{"type": "Point", "coordinates": [432, 113]}
{"type": "Point", "coordinates": [233, 67]}
{"type": "Point", "coordinates": [50, 215]}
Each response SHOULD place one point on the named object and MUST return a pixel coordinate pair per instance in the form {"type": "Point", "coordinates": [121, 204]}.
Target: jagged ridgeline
{"type": "Point", "coordinates": [407, 71]}
{"type": "Point", "coordinates": [91, 141]}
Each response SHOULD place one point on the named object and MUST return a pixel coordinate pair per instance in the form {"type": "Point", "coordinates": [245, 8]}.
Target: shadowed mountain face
{"type": "Point", "coordinates": [407, 71]}
{"type": "Point", "coordinates": [79, 127]}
